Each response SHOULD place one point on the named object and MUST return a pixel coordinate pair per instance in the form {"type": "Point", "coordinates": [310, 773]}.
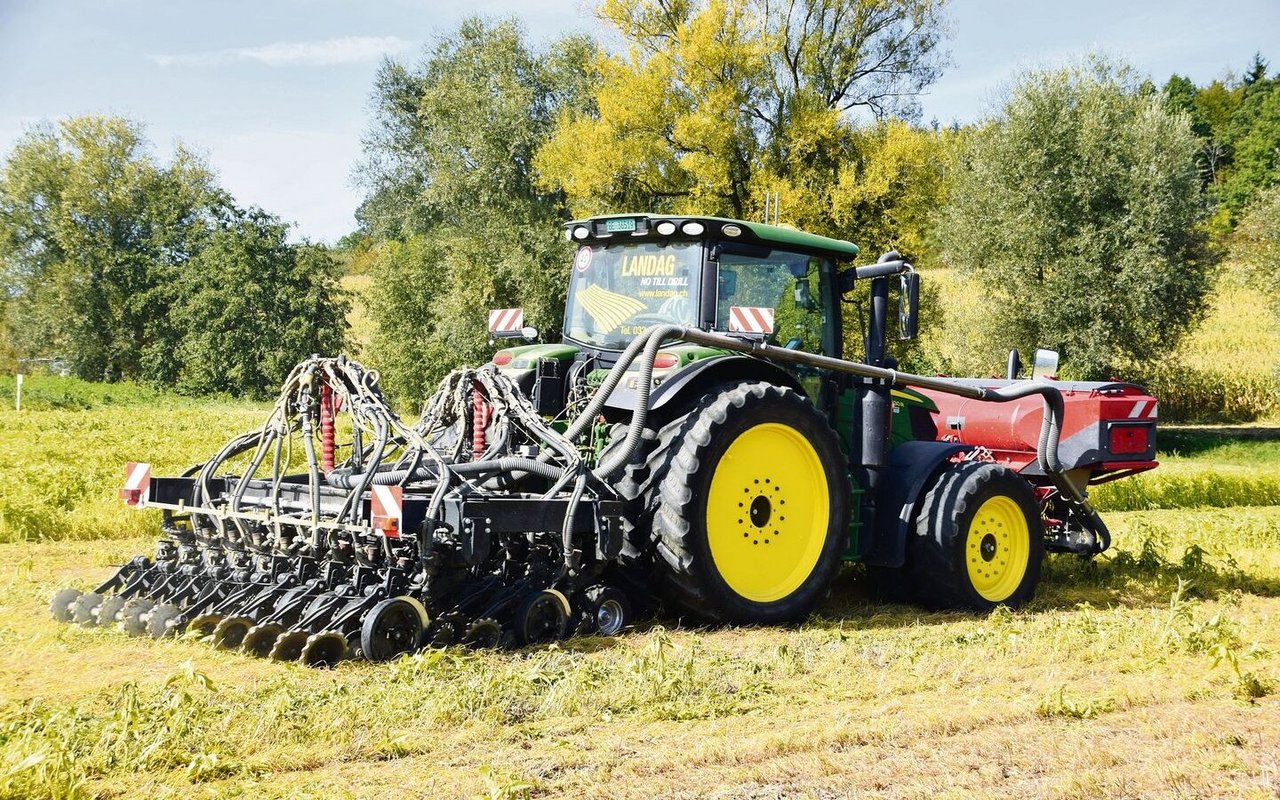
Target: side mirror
{"type": "Point", "coordinates": [1014, 366]}
{"type": "Point", "coordinates": [909, 305]}
{"type": "Point", "coordinates": [1046, 364]}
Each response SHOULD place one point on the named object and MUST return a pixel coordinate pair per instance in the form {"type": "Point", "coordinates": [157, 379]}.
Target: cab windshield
{"type": "Point", "coordinates": [618, 290]}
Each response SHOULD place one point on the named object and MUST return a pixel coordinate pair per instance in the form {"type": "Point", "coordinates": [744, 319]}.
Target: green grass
{"type": "Point", "coordinates": [1150, 673]}
{"type": "Point", "coordinates": [62, 458]}
{"type": "Point", "coordinates": [1200, 469]}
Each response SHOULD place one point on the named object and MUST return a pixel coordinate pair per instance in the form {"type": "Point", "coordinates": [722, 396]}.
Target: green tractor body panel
{"type": "Point", "coordinates": [525, 357]}
{"type": "Point", "coordinates": [780, 235]}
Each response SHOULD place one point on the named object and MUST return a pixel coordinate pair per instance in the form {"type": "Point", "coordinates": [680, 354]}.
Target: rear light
{"type": "Point", "coordinates": [1128, 439]}
{"type": "Point", "coordinates": [666, 361]}
{"type": "Point", "coordinates": [502, 358]}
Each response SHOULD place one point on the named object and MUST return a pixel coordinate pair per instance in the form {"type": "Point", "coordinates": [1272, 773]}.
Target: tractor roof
{"type": "Point", "coordinates": [610, 225]}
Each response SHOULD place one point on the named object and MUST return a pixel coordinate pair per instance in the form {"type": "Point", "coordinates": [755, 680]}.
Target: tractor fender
{"type": "Point", "coordinates": [696, 379]}
{"type": "Point", "coordinates": [911, 469]}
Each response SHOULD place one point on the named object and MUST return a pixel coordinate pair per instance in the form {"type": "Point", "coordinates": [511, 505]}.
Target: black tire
{"type": "Point", "coordinates": [393, 628]}
{"type": "Point", "coordinates": [131, 616]}
{"type": "Point", "coordinates": [324, 650]}
{"type": "Point", "coordinates": [608, 610]}
{"type": "Point", "coordinates": [260, 640]}
{"type": "Point", "coordinates": [162, 621]}
{"type": "Point", "coordinates": [84, 608]}
{"type": "Point", "coordinates": [975, 525]}
{"type": "Point", "coordinates": [109, 610]}
{"type": "Point", "coordinates": [542, 618]}
{"type": "Point", "coordinates": [682, 525]}
{"type": "Point", "coordinates": [483, 634]}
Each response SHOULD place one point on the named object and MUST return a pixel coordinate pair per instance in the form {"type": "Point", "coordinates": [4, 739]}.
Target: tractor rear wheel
{"type": "Point", "coordinates": [753, 513]}
{"type": "Point", "coordinates": [977, 542]}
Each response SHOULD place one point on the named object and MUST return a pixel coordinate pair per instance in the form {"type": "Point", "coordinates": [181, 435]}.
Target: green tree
{"type": "Point", "coordinates": [251, 306]}
{"type": "Point", "coordinates": [1254, 139]}
{"type": "Point", "coordinates": [712, 104]}
{"type": "Point", "coordinates": [130, 268]}
{"type": "Point", "coordinates": [1077, 208]}
{"type": "Point", "coordinates": [460, 225]}
{"type": "Point", "coordinates": [1256, 245]}
{"type": "Point", "coordinates": [92, 229]}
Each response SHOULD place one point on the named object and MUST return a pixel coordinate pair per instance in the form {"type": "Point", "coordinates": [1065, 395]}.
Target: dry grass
{"type": "Point", "coordinates": [1149, 674]}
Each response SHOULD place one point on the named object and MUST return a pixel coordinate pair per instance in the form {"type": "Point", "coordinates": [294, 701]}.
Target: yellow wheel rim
{"type": "Point", "coordinates": [767, 512]}
{"type": "Point", "coordinates": [997, 548]}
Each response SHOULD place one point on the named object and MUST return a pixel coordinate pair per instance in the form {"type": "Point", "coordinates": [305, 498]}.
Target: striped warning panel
{"type": "Point", "coordinates": [750, 319]}
{"type": "Point", "coordinates": [137, 483]}
{"type": "Point", "coordinates": [1144, 410]}
{"type": "Point", "coordinates": [387, 509]}
{"type": "Point", "coordinates": [506, 320]}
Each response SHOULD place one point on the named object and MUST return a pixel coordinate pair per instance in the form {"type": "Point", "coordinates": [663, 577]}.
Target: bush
{"type": "Point", "coordinates": [1078, 209]}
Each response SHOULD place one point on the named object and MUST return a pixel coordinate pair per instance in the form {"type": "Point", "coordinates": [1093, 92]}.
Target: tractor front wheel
{"type": "Point", "coordinates": [753, 514]}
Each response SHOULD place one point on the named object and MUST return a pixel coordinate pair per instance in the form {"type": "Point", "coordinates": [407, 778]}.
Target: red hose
{"type": "Point", "coordinates": [326, 427]}
{"type": "Point", "coordinates": [481, 414]}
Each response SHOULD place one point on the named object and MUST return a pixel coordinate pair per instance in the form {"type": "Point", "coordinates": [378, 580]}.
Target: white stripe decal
{"type": "Point", "coordinates": [138, 476]}
{"type": "Point", "coordinates": [137, 484]}
{"type": "Point", "coordinates": [1137, 409]}
{"type": "Point", "coordinates": [386, 503]}
{"type": "Point", "coordinates": [1154, 407]}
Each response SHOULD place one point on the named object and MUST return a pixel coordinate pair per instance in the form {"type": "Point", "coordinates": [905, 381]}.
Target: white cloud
{"type": "Point", "coordinates": [322, 52]}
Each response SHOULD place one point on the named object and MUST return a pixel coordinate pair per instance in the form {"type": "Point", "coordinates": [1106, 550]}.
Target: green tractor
{"type": "Point", "coordinates": [767, 461]}
{"type": "Point", "coordinates": [697, 437]}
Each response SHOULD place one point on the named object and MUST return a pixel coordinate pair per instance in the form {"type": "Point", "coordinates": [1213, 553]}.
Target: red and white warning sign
{"type": "Point", "coordinates": [1141, 410]}
{"type": "Point", "coordinates": [506, 320]}
{"type": "Point", "coordinates": [137, 484]}
{"type": "Point", "coordinates": [750, 319]}
{"type": "Point", "coordinates": [387, 509]}
{"type": "Point", "coordinates": [582, 260]}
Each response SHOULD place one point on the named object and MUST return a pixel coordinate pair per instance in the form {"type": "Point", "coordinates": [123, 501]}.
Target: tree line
{"type": "Point", "coordinates": [124, 267]}
{"type": "Point", "coordinates": [1092, 206]}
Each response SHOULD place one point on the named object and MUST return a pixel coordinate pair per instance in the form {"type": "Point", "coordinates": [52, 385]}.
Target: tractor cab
{"type": "Point", "coordinates": [766, 281]}
{"type": "Point", "coordinates": [768, 284]}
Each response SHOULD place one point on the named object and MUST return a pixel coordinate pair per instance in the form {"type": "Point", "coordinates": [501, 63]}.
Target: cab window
{"type": "Point", "coordinates": [797, 287]}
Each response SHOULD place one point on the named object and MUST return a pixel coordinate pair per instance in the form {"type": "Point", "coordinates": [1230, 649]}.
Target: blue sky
{"type": "Point", "coordinates": [275, 92]}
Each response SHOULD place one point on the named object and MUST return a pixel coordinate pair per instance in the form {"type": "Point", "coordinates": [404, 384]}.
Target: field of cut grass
{"type": "Point", "coordinates": [1150, 673]}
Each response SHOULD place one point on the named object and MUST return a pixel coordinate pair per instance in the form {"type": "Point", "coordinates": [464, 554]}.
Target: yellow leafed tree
{"type": "Point", "coordinates": [712, 104]}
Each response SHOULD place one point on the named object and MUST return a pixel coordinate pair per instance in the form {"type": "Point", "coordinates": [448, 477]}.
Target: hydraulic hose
{"type": "Point", "coordinates": [346, 480]}
{"type": "Point", "coordinates": [655, 337]}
